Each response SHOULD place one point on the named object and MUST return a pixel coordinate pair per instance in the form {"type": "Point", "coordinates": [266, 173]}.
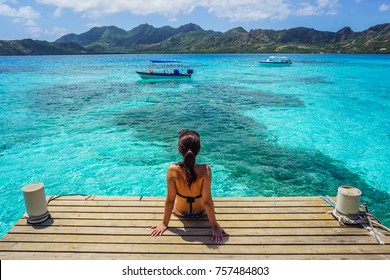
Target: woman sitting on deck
{"type": "Point", "coordinates": [189, 188]}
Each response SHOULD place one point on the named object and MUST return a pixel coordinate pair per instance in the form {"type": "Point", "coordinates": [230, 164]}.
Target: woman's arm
{"type": "Point", "coordinates": [158, 230]}
{"type": "Point", "coordinates": [217, 231]}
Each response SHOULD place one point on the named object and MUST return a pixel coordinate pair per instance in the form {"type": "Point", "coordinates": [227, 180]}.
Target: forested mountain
{"type": "Point", "coordinates": [191, 38]}
{"type": "Point", "coordinates": [36, 47]}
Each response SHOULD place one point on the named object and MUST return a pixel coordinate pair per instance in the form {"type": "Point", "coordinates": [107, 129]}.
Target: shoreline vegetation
{"type": "Point", "coordinates": [192, 39]}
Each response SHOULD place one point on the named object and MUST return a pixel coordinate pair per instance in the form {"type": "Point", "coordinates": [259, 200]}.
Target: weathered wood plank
{"type": "Point", "coordinates": [219, 203]}
{"type": "Point", "coordinates": [197, 249]}
{"type": "Point", "coordinates": [240, 199]}
{"type": "Point", "coordinates": [162, 198]}
{"type": "Point", "coordinates": [221, 217]}
{"type": "Point", "coordinates": [194, 239]}
{"type": "Point", "coordinates": [121, 256]}
{"type": "Point", "coordinates": [160, 210]}
{"type": "Point", "coordinates": [97, 198]}
{"type": "Point", "coordinates": [337, 231]}
{"type": "Point", "coordinates": [185, 223]}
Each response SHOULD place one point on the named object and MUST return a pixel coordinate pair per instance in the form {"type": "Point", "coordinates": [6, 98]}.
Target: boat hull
{"type": "Point", "coordinates": [172, 76]}
{"type": "Point", "coordinates": [274, 64]}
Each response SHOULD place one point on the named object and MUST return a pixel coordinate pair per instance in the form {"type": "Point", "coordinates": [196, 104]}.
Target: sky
{"type": "Point", "coordinates": [51, 19]}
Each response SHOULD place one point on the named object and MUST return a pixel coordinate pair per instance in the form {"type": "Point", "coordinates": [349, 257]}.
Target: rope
{"type": "Point", "coordinates": [373, 230]}
{"type": "Point", "coordinates": [328, 200]}
{"type": "Point", "coordinates": [364, 219]}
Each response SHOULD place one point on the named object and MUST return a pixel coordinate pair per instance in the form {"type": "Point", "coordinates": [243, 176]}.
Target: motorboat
{"type": "Point", "coordinates": [276, 61]}
{"type": "Point", "coordinates": [165, 69]}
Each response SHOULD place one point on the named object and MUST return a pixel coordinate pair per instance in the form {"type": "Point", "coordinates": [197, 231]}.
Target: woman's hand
{"type": "Point", "coordinates": [218, 234]}
{"type": "Point", "coordinates": [158, 230]}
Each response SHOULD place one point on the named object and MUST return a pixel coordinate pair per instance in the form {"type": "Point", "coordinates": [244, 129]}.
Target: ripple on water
{"type": "Point", "coordinates": [101, 131]}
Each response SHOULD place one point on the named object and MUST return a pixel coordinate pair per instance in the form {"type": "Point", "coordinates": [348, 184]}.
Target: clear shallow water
{"type": "Point", "coordinates": [88, 124]}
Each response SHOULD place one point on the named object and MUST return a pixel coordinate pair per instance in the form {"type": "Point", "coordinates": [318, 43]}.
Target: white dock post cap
{"type": "Point", "coordinates": [35, 201]}
{"type": "Point", "coordinates": [348, 200]}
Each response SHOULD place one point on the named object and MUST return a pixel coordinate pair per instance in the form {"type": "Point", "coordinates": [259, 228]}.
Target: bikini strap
{"type": "Point", "coordinates": [190, 200]}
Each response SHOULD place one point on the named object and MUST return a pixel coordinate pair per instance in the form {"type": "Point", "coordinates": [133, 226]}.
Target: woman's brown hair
{"type": "Point", "coordinates": [189, 147]}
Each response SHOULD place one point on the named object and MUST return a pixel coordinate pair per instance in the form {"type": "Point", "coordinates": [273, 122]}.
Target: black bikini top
{"type": "Point", "coordinates": [190, 200]}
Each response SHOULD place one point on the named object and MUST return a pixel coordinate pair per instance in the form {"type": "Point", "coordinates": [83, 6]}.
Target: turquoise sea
{"type": "Point", "coordinates": [89, 125]}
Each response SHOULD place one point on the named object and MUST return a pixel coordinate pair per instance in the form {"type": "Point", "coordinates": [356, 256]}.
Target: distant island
{"type": "Point", "coordinates": [191, 38]}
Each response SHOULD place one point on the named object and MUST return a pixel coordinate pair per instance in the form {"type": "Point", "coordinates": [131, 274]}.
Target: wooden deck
{"type": "Point", "coordinates": [260, 228]}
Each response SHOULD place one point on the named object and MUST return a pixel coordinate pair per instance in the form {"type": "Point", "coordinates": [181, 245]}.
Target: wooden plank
{"type": "Point", "coordinates": [97, 198]}
{"type": "Point", "coordinates": [337, 231]}
{"type": "Point", "coordinates": [197, 249]}
{"type": "Point", "coordinates": [126, 256]}
{"type": "Point", "coordinates": [152, 203]}
{"type": "Point", "coordinates": [221, 217]}
{"type": "Point", "coordinates": [257, 198]}
{"type": "Point", "coordinates": [160, 210]}
{"type": "Point", "coordinates": [185, 223]}
{"type": "Point", "coordinates": [162, 198]}
{"type": "Point", "coordinates": [194, 239]}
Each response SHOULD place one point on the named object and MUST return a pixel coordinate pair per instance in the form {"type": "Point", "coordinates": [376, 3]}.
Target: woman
{"type": "Point", "coordinates": [189, 188]}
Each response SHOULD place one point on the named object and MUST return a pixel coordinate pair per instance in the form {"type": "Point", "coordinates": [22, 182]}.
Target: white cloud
{"type": "Point", "coordinates": [248, 10]}
{"type": "Point", "coordinates": [321, 7]}
{"type": "Point", "coordinates": [243, 10]}
{"type": "Point", "coordinates": [235, 10]}
{"type": "Point", "coordinates": [96, 8]}
{"type": "Point", "coordinates": [30, 22]}
{"type": "Point", "coordinates": [384, 8]}
{"type": "Point", "coordinates": [27, 12]}
{"type": "Point", "coordinates": [56, 31]}
{"type": "Point", "coordinates": [57, 12]}
{"type": "Point", "coordinates": [22, 14]}
{"type": "Point", "coordinates": [34, 31]}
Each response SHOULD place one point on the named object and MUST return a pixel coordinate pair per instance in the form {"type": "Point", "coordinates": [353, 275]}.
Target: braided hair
{"type": "Point", "coordinates": [189, 147]}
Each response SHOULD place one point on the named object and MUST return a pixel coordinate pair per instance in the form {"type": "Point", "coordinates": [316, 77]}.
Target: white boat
{"type": "Point", "coordinates": [165, 69]}
{"type": "Point", "coordinates": [276, 61]}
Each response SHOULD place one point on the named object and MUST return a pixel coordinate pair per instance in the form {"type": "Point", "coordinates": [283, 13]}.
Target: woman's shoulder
{"type": "Point", "coordinates": [173, 168]}
{"type": "Point", "coordinates": [204, 169]}
{"type": "Point", "coordinates": [173, 171]}
{"type": "Point", "coordinates": [203, 165]}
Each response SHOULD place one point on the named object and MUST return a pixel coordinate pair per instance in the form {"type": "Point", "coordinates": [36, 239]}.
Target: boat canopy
{"type": "Point", "coordinates": [278, 57]}
{"type": "Point", "coordinates": [165, 61]}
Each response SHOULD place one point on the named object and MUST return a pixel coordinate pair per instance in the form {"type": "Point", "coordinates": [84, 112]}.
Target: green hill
{"type": "Point", "coordinates": [191, 38]}
{"type": "Point", "coordinates": [36, 47]}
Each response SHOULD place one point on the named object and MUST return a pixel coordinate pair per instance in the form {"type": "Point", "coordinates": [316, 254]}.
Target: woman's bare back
{"type": "Point", "coordinates": [181, 204]}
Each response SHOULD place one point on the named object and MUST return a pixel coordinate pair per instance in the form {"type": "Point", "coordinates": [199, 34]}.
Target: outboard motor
{"type": "Point", "coordinates": [190, 71]}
